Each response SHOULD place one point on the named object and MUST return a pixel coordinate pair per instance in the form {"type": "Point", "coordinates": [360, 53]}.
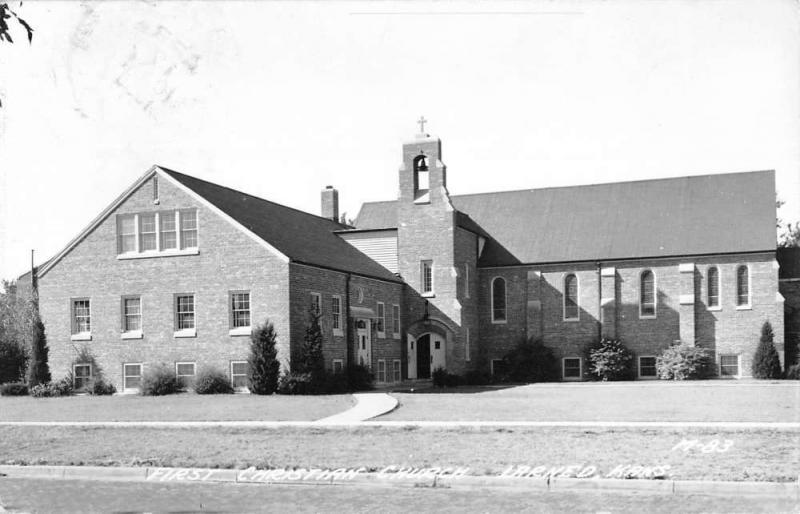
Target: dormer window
{"type": "Point", "coordinates": [161, 233]}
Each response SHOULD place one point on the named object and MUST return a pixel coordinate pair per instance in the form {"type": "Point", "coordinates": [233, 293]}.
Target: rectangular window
{"type": "Point", "coordinates": [713, 287]}
{"type": "Point", "coordinates": [81, 376]}
{"type": "Point", "coordinates": [316, 303]}
{"type": "Point", "coordinates": [647, 367]}
{"type": "Point", "coordinates": [184, 312]}
{"type": "Point", "coordinates": [466, 346]}
{"type": "Point", "coordinates": [571, 368]}
{"type": "Point", "coordinates": [396, 321]}
{"type": "Point", "coordinates": [338, 365]}
{"type": "Point", "coordinates": [81, 317]}
{"type": "Point", "coordinates": [498, 367]}
{"type": "Point", "coordinates": [131, 376]}
{"type": "Point", "coordinates": [466, 280]}
{"type": "Point", "coordinates": [147, 232]}
{"type": "Point", "coordinates": [131, 314]}
{"type": "Point", "coordinates": [126, 233]}
{"type": "Point", "coordinates": [169, 234]}
{"type": "Point", "coordinates": [381, 328]}
{"type": "Point", "coordinates": [185, 372]}
{"type": "Point", "coordinates": [240, 310]}
{"type": "Point", "coordinates": [381, 371]}
{"type": "Point", "coordinates": [742, 287]}
{"type": "Point", "coordinates": [239, 375]}
{"type": "Point", "coordinates": [188, 229]}
{"type": "Point", "coordinates": [396, 370]}
{"type": "Point", "coordinates": [729, 365]}
{"type": "Point", "coordinates": [427, 277]}
{"type": "Point", "coordinates": [336, 313]}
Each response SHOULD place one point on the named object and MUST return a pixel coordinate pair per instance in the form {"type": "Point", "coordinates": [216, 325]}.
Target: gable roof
{"type": "Point", "coordinates": [698, 215]}
{"type": "Point", "coordinates": [290, 234]}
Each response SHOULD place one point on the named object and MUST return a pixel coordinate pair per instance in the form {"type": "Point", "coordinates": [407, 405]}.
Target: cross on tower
{"type": "Point", "coordinates": [422, 121]}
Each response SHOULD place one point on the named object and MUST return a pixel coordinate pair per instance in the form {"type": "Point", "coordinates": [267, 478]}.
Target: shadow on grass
{"type": "Point", "coordinates": [456, 390]}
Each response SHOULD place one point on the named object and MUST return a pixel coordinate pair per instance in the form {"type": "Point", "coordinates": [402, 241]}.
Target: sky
{"type": "Point", "coordinates": [281, 99]}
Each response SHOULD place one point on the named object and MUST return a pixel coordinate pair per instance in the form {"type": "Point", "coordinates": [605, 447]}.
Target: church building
{"type": "Point", "coordinates": [178, 271]}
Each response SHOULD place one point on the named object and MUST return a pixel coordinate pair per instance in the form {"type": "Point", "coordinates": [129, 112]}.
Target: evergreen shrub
{"type": "Point", "coordinates": [609, 359]}
{"type": "Point", "coordinates": [766, 363]}
{"type": "Point", "coordinates": [212, 381]}
{"type": "Point", "coordinates": [264, 368]}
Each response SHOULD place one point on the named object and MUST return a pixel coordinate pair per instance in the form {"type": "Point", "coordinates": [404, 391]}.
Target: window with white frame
{"type": "Point", "coordinates": [467, 356]}
{"type": "Point", "coordinates": [316, 304]}
{"type": "Point", "coordinates": [381, 371]}
{"type": "Point", "coordinates": [426, 274]}
{"type": "Point", "coordinates": [188, 221]}
{"type": "Point", "coordinates": [381, 326]}
{"type": "Point", "coordinates": [571, 297]}
{"type": "Point", "coordinates": [126, 233]}
{"type": "Point", "coordinates": [239, 375]}
{"type": "Point", "coordinates": [147, 232]}
{"type": "Point", "coordinates": [169, 233]}
{"type": "Point", "coordinates": [729, 365]}
{"type": "Point", "coordinates": [338, 366]}
{"type": "Point", "coordinates": [131, 376]}
{"type": "Point", "coordinates": [336, 314]}
{"type": "Point", "coordinates": [713, 287]}
{"type": "Point", "coordinates": [240, 309]}
{"type": "Point", "coordinates": [185, 372]}
{"type": "Point", "coordinates": [81, 317]}
{"type": "Point", "coordinates": [647, 294]}
{"type": "Point", "coordinates": [571, 368]}
{"type": "Point", "coordinates": [647, 367]}
{"type": "Point", "coordinates": [396, 321]}
{"type": "Point", "coordinates": [742, 286]}
{"type": "Point", "coordinates": [131, 314]}
{"type": "Point", "coordinates": [81, 376]}
{"type": "Point", "coordinates": [498, 300]}
{"type": "Point", "coordinates": [184, 312]}
{"type": "Point", "coordinates": [397, 370]}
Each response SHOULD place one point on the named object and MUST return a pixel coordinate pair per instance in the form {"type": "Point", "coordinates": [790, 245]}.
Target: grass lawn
{"type": "Point", "coordinates": [753, 455]}
{"type": "Point", "coordinates": [181, 407]}
{"type": "Point", "coordinates": [631, 401]}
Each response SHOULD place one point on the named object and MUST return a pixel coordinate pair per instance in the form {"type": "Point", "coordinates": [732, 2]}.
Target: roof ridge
{"type": "Point", "coordinates": [171, 171]}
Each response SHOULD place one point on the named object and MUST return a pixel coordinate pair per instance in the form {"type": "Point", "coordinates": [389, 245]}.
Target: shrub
{"type": "Point", "coordinates": [793, 373]}
{"type": "Point", "coordinates": [311, 358]}
{"type": "Point", "coordinates": [359, 378]}
{"type": "Point", "coordinates": [38, 370]}
{"type": "Point", "coordinates": [12, 361]}
{"type": "Point", "coordinates": [441, 378]}
{"type": "Point", "coordinates": [99, 387]}
{"type": "Point", "coordinates": [14, 389]}
{"type": "Point", "coordinates": [609, 359]}
{"type": "Point", "coordinates": [160, 381]}
{"type": "Point", "coordinates": [295, 383]}
{"type": "Point", "coordinates": [682, 361]}
{"type": "Point", "coordinates": [85, 356]}
{"type": "Point", "coordinates": [766, 363]}
{"type": "Point", "coordinates": [476, 377]}
{"type": "Point", "coordinates": [55, 389]}
{"type": "Point", "coordinates": [264, 368]}
{"type": "Point", "coordinates": [212, 381]}
{"type": "Point", "coordinates": [529, 361]}
{"type": "Point", "coordinates": [354, 378]}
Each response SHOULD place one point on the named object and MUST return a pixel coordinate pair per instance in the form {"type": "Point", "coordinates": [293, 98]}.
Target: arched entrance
{"type": "Point", "coordinates": [427, 348]}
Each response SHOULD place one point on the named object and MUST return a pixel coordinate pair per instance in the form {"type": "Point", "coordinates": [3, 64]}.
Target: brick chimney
{"type": "Point", "coordinates": [330, 203]}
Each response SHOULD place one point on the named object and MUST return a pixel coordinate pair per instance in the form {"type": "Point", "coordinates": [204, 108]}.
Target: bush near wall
{"type": "Point", "coordinates": [212, 381]}
{"type": "Point", "coordinates": [354, 378]}
{"type": "Point", "coordinates": [12, 361]}
{"type": "Point", "coordinates": [529, 361]}
{"type": "Point", "coordinates": [609, 359]}
{"type": "Point", "coordinates": [683, 361]}
{"type": "Point", "coordinates": [14, 389]}
{"type": "Point", "coordinates": [160, 381]}
{"type": "Point", "coordinates": [766, 363]}
{"type": "Point", "coordinates": [53, 389]}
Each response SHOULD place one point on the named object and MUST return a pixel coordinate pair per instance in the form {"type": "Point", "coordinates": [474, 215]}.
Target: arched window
{"type": "Point", "coordinates": [421, 176]}
{"type": "Point", "coordinates": [498, 300]}
{"type": "Point", "coordinates": [647, 294]}
{"type": "Point", "coordinates": [570, 297]}
{"type": "Point", "coordinates": [713, 287]}
{"type": "Point", "coordinates": [742, 286]}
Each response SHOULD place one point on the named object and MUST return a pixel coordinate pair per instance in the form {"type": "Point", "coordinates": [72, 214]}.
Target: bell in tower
{"type": "Point", "coordinates": [422, 176]}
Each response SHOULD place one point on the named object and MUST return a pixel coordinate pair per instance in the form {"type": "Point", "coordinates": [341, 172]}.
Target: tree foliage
{"type": "Point", "coordinates": [609, 359]}
{"type": "Point", "coordinates": [264, 367]}
{"type": "Point", "coordinates": [6, 14]}
{"type": "Point", "coordinates": [530, 361]}
{"type": "Point", "coordinates": [38, 370]}
{"type": "Point", "coordinates": [311, 359]}
{"type": "Point", "coordinates": [766, 363]}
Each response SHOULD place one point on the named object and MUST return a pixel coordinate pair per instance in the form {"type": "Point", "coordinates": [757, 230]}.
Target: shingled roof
{"type": "Point", "coordinates": [304, 238]}
{"type": "Point", "coordinates": [698, 215]}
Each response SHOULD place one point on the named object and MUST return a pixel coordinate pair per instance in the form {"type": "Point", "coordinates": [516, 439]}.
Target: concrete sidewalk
{"type": "Point", "coordinates": [368, 406]}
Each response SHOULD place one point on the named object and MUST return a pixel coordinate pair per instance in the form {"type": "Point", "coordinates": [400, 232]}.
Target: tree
{"type": "Point", "coordinates": [609, 359]}
{"type": "Point", "coordinates": [17, 314]}
{"type": "Point", "coordinates": [263, 361]}
{"type": "Point", "coordinates": [530, 361]}
{"type": "Point", "coordinates": [766, 363]}
{"type": "Point", "coordinates": [38, 371]}
{"type": "Point", "coordinates": [791, 236]}
{"type": "Point", "coordinates": [311, 359]}
{"type": "Point", "coordinates": [5, 14]}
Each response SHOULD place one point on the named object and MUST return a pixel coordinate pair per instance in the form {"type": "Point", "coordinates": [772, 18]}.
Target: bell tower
{"type": "Point", "coordinates": [423, 175]}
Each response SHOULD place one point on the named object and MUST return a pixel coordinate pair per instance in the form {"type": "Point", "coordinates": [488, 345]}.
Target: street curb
{"type": "Point", "coordinates": [362, 477]}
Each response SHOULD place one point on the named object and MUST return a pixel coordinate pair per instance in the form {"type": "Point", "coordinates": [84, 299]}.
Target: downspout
{"type": "Point", "coordinates": [347, 342]}
{"type": "Point", "coordinates": [599, 301]}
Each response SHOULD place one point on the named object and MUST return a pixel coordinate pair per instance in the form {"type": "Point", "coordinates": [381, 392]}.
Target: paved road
{"type": "Point", "coordinates": [42, 495]}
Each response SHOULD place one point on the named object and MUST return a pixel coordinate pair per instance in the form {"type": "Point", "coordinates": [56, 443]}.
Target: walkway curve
{"type": "Point", "coordinates": [368, 406]}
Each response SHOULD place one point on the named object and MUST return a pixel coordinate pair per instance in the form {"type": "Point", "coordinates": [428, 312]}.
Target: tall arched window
{"type": "Point", "coordinates": [647, 294]}
{"type": "Point", "coordinates": [742, 286]}
{"type": "Point", "coordinates": [421, 176]}
{"type": "Point", "coordinates": [570, 297]}
{"type": "Point", "coordinates": [713, 287]}
{"type": "Point", "coordinates": [498, 300]}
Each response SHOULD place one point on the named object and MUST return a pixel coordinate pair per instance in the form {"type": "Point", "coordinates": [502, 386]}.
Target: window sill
{"type": "Point", "coordinates": [647, 377]}
{"type": "Point", "coordinates": [164, 253]}
{"type": "Point", "coordinates": [647, 317]}
{"type": "Point", "coordinates": [338, 332]}
{"type": "Point", "coordinates": [429, 295]}
{"type": "Point", "coordinates": [744, 307]}
{"type": "Point", "coordinates": [499, 322]}
{"type": "Point", "coordinates": [396, 336]}
{"type": "Point", "coordinates": [714, 308]}
{"type": "Point", "coordinates": [381, 335]}
{"type": "Point", "coordinates": [189, 332]}
{"type": "Point", "coordinates": [240, 331]}
{"type": "Point", "coordinates": [133, 334]}
{"type": "Point", "coordinates": [570, 320]}
{"type": "Point", "coordinates": [83, 336]}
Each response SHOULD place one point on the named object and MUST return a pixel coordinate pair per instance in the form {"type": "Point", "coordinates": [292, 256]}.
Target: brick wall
{"type": "Point", "coordinates": [228, 260]}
